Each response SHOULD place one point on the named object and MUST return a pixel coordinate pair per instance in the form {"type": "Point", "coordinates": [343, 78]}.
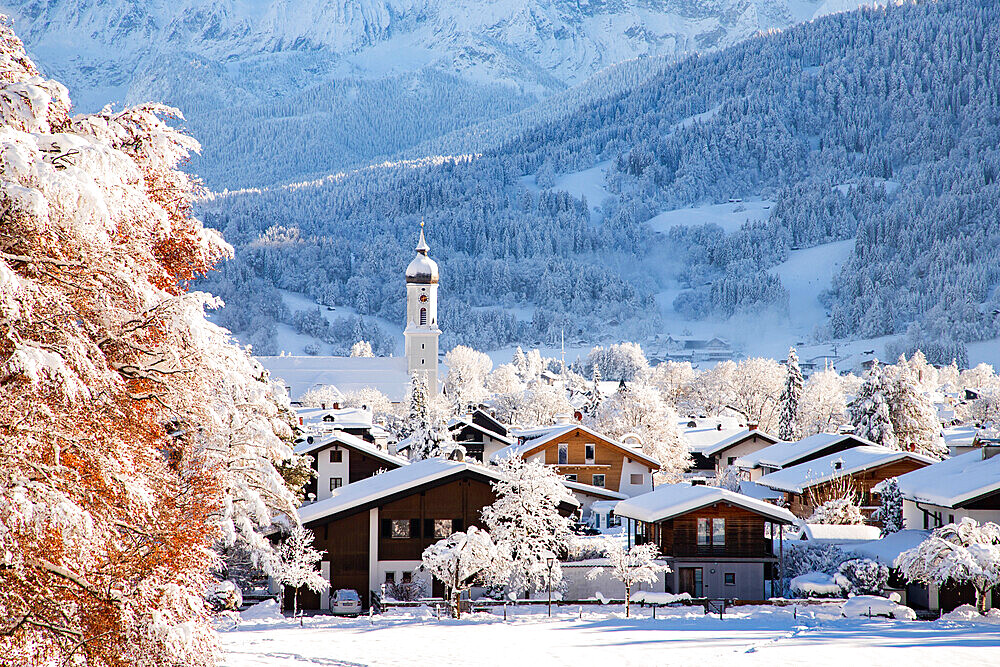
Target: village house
{"type": "Point", "coordinates": [375, 531]}
{"type": "Point", "coordinates": [787, 454]}
{"type": "Point", "coordinates": [339, 459]}
{"type": "Point", "coordinates": [701, 434]}
{"type": "Point", "coordinates": [592, 463]}
{"type": "Point", "coordinates": [717, 543]}
{"type": "Point", "coordinates": [860, 469]}
{"type": "Point", "coordinates": [480, 434]}
{"type": "Point", "coordinates": [355, 421]}
{"type": "Point", "coordinates": [724, 453]}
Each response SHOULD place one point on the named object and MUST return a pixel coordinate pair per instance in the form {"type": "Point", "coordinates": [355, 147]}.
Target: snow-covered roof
{"type": "Point", "coordinates": [785, 453]}
{"type": "Point", "coordinates": [591, 490]}
{"type": "Point", "coordinates": [887, 549]}
{"type": "Point", "coordinates": [708, 434]}
{"type": "Point", "coordinates": [422, 269]}
{"type": "Point", "coordinates": [670, 500]}
{"type": "Point", "coordinates": [389, 375]}
{"type": "Point", "coordinates": [340, 418]}
{"type": "Point", "coordinates": [755, 490]}
{"type": "Point", "coordinates": [743, 435]}
{"type": "Point", "coordinates": [954, 481]}
{"type": "Point", "coordinates": [388, 483]}
{"type": "Point", "coordinates": [347, 440]}
{"type": "Point", "coordinates": [960, 436]}
{"type": "Point", "coordinates": [825, 533]}
{"type": "Point", "coordinates": [538, 438]}
{"type": "Point", "coordinates": [796, 479]}
{"type": "Point", "coordinates": [463, 422]}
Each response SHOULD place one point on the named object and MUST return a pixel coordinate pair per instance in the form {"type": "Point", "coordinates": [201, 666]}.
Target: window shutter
{"type": "Point", "coordinates": [457, 525]}
{"type": "Point", "coordinates": [428, 528]}
{"type": "Point", "coordinates": [386, 528]}
{"type": "Point", "coordinates": [414, 527]}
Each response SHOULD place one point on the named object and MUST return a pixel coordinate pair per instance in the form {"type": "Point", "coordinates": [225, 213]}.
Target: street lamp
{"type": "Point", "coordinates": [550, 560]}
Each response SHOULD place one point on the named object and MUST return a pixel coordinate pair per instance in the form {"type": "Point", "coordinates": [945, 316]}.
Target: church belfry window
{"type": "Point", "coordinates": [423, 317]}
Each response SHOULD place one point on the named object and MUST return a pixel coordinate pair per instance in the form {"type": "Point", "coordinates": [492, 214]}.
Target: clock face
{"type": "Point", "coordinates": [423, 298]}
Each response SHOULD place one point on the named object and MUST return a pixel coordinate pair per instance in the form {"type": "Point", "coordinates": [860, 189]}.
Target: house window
{"type": "Point", "coordinates": [718, 532]}
{"type": "Point", "coordinates": [563, 453]}
{"type": "Point", "coordinates": [336, 456]}
{"type": "Point", "coordinates": [599, 480]}
{"type": "Point", "coordinates": [589, 452]}
{"type": "Point", "coordinates": [336, 482]}
{"type": "Point", "coordinates": [400, 529]}
{"type": "Point", "coordinates": [423, 316]}
{"type": "Point", "coordinates": [571, 477]}
{"type": "Point", "coordinates": [729, 578]}
{"type": "Point", "coordinates": [703, 537]}
{"type": "Point", "coordinates": [636, 478]}
{"type": "Point", "coordinates": [390, 577]}
{"type": "Point", "coordinates": [731, 460]}
{"type": "Point", "coordinates": [407, 577]}
{"type": "Point", "coordinates": [951, 518]}
{"type": "Point", "coordinates": [597, 520]}
{"type": "Point", "coordinates": [442, 528]}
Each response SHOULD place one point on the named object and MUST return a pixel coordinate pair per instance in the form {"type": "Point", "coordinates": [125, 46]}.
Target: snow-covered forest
{"type": "Point", "coordinates": [877, 125]}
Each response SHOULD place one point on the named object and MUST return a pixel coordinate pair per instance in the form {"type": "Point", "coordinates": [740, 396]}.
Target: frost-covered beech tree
{"type": "Point", "coordinates": [914, 417]}
{"type": "Point", "coordinates": [870, 408]}
{"type": "Point", "coordinates": [632, 566]}
{"type": "Point", "coordinates": [963, 552]}
{"type": "Point", "coordinates": [526, 525]}
{"type": "Point", "coordinates": [136, 436]}
{"type": "Point", "coordinates": [297, 563]}
{"type": "Point", "coordinates": [791, 394]}
{"type": "Point", "coordinates": [362, 348]}
{"type": "Point", "coordinates": [460, 560]}
{"type": "Point", "coordinates": [824, 403]}
{"type": "Point", "coordinates": [890, 512]}
{"type": "Point", "coordinates": [838, 511]}
{"type": "Point", "coordinates": [638, 409]}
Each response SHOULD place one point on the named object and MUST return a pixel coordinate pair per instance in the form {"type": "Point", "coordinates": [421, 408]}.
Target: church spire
{"type": "Point", "coordinates": [422, 246]}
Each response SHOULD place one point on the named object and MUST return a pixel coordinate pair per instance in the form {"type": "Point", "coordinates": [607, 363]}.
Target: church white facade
{"type": "Point", "coordinates": [389, 375]}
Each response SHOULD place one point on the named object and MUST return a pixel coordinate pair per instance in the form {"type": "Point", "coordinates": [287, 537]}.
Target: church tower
{"type": "Point", "coordinates": [421, 333]}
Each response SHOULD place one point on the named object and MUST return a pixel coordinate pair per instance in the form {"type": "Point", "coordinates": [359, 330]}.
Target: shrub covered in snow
{"type": "Point", "coordinates": [225, 596]}
{"type": "Point", "coordinates": [862, 576]}
{"type": "Point", "coordinates": [816, 585]}
{"type": "Point", "coordinates": [838, 511]}
{"type": "Point", "coordinates": [813, 558]}
{"type": "Point", "coordinates": [967, 612]}
{"type": "Point", "coordinates": [873, 605]}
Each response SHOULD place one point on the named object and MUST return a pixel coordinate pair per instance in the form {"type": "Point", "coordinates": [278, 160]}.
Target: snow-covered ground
{"type": "Point", "coordinates": [730, 216]}
{"type": "Point", "coordinates": [814, 637]}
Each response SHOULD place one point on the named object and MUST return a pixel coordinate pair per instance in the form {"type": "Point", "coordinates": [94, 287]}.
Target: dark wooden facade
{"type": "Point", "coordinates": [678, 537]}
{"type": "Point", "coordinates": [802, 505]}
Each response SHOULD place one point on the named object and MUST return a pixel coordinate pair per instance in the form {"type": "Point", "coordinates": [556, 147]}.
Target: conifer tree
{"type": "Point", "coordinates": [914, 418]}
{"type": "Point", "coordinates": [870, 409]}
{"type": "Point", "coordinates": [890, 513]}
{"type": "Point", "coordinates": [791, 394]}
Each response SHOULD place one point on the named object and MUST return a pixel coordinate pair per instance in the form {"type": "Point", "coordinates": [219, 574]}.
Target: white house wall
{"type": "Point", "coordinates": [577, 585]}
{"type": "Point", "coordinates": [913, 516]}
{"type": "Point", "coordinates": [625, 485]}
{"type": "Point", "coordinates": [327, 470]}
{"type": "Point", "coordinates": [743, 449]}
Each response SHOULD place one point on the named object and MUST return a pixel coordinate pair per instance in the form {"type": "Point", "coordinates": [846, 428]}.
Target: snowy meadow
{"type": "Point", "coordinates": [589, 635]}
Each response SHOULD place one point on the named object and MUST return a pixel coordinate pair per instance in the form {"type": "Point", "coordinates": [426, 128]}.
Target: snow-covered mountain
{"type": "Point", "coordinates": [309, 71]}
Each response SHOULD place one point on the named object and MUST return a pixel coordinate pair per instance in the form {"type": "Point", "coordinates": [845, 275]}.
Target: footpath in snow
{"type": "Point", "coordinates": [812, 636]}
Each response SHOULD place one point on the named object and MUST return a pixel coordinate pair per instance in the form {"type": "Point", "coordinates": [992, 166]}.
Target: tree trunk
{"type": "Point", "coordinates": [295, 602]}
{"type": "Point", "coordinates": [458, 604]}
{"type": "Point", "coordinates": [981, 593]}
{"type": "Point", "coordinates": [628, 598]}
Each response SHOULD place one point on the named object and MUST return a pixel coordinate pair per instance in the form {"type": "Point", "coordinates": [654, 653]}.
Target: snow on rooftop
{"type": "Point", "coordinates": [737, 438]}
{"type": "Point", "coordinates": [325, 439]}
{"type": "Point", "coordinates": [960, 436]}
{"type": "Point", "coordinates": [670, 500]}
{"type": "Point", "coordinates": [590, 489]}
{"type": "Point", "coordinates": [796, 479]}
{"type": "Point", "coordinates": [540, 436]}
{"type": "Point", "coordinates": [786, 453]}
{"type": "Point", "coordinates": [824, 533]}
{"type": "Point", "coordinates": [954, 481]}
{"type": "Point", "coordinates": [887, 549]}
{"type": "Point", "coordinates": [341, 418]}
{"type": "Point", "coordinates": [704, 437]}
{"type": "Point", "coordinates": [300, 374]}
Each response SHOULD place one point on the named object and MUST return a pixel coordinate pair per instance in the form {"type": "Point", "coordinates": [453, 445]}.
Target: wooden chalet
{"type": "Point", "coordinates": [861, 468]}
{"type": "Point", "coordinates": [481, 435]}
{"type": "Point", "coordinates": [725, 453]}
{"type": "Point", "coordinates": [375, 531]}
{"type": "Point", "coordinates": [791, 453]}
{"type": "Point", "coordinates": [717, 543]}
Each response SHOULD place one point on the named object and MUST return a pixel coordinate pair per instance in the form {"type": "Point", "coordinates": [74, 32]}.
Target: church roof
{"type": "Point", "coordinates": [389, 375]}
{"type": "Point", "coordinates": [422, 269]}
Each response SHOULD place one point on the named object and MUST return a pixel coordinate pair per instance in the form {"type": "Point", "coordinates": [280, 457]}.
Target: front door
{"type": "Point", "coordinates": [690, 581]}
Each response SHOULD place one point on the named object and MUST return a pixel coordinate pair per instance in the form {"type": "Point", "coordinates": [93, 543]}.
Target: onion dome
{"type": "Point", "coordinates": [422, 269]}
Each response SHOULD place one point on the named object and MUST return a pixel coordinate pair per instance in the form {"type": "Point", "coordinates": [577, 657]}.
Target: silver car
{"type": "Point", "coordinates": [345, 602]}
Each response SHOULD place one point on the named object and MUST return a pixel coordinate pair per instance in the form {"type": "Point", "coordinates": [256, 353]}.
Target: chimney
{"type": "Point", "coordinates": [990, 450]}
{"type": "Point", "coordinates": [718, 427]}
{"type": "Point", "coordinates": [751, 426]}
{"type": "Point", "coordinates": [562, 419]}
{"type": "Point", "coordinates": [336, 406]}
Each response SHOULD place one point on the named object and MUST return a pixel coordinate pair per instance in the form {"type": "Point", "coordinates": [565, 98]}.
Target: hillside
{"type": "Point", "coordinates": [879, 126]}
{"type": "Point", "coordinates": [283, 90]}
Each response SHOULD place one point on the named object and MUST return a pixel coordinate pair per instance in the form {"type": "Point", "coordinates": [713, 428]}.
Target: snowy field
{"type": "Point", "coordinates": [603, 636]}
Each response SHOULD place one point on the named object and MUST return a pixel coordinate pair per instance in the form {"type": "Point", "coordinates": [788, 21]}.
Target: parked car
{"type": "Point", "coordinates": [345, 602]}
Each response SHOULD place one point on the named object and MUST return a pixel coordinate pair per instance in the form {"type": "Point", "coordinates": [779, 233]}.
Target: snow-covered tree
{"type": "Point", "coordinates": [824, 403]}
{"type": "Point", "coordinates": [460, 560]}
{"type": "Point", "coordinates": [465, 383]}
{"type": "Point", "coordinates": [323, 396]}
{"type": "Point", "coordinates": [526, 524]}
{"type": "Point", "coordinates": [136, 436]}
{"type": "Point", "coordinates": [963, 552]}
{"type": "Point", "coordinates": [541, 404]}
{"type": "Point", "coordinates": [729, 479]}
{"type": "Point", "coordinates": [632, 566]}
{"type": "Point", "coordinates": [638, 409]}
{"type": "Point", "coordinates": [838, 511]}
{"type": "Point", "coordinates": [673, 379]}
{"type": "Point", "coordinates": [890, 513]}
{"type": "Point", "coordinates": [791, 394]}
{"type": "Point", "coordinates": [862, 576]}
{"type": "Point", "coordinates": [914, 417]}
{"type": "Point", "coordinates": [297, 565]}
{"type": "Point", "coordinates": [870, 408]}
{"type": "Point", "coordinates": [362, 348]}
